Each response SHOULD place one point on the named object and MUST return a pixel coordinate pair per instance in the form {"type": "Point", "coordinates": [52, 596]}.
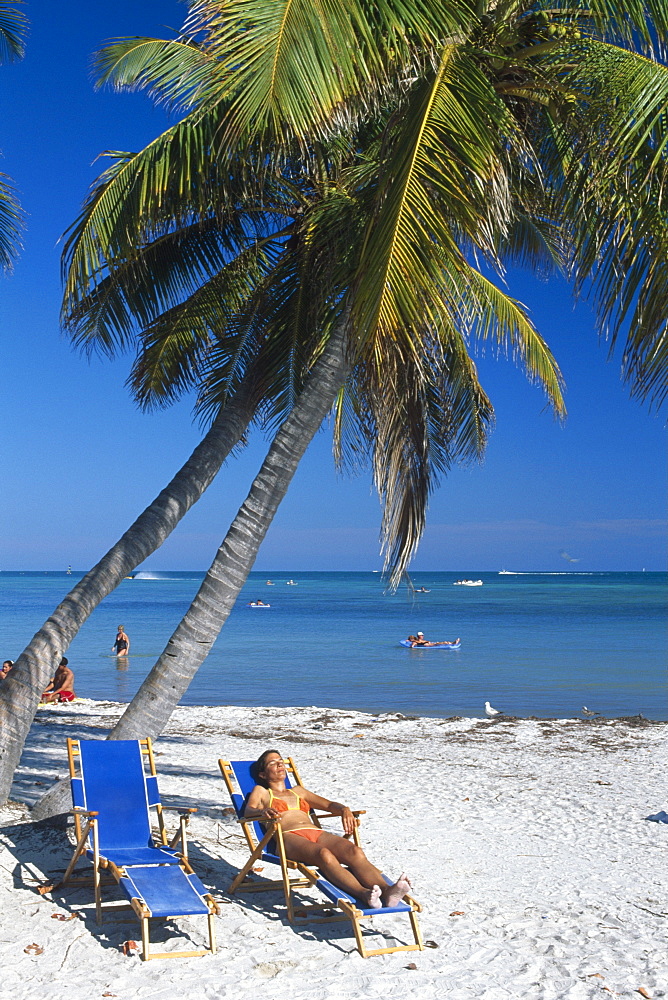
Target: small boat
{"type": "Point", "coordinates": [467, 583]}
{"type": "Point", "coordinates": [436, 645]}
{"type": "Point", "coordinates": [258, 604]}
{"type": "Point", "coordinates": [422, 590]}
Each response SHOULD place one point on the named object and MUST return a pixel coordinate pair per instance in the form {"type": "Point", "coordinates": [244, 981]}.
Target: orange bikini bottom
{"type": "Point", "coordinates": [308, 833]}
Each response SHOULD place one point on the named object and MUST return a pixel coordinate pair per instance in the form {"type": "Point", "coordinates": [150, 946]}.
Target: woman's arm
{"type": "Point", "coordinates": [257, 806]}
{"type": "Point", "coordinates": [336, 808]}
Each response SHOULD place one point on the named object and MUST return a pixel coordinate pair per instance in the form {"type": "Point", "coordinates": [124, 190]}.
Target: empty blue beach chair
{"type": "Point", "coordinates": [265, 842]}
{"type": "Point", "coordinates": [112, 794]}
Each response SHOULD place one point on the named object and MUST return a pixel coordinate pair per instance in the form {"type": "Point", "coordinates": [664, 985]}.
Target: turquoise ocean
{"type": "Point", "coordinates": [533, 644]}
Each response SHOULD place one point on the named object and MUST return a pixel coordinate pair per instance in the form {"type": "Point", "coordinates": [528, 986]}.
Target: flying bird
{"type": "Point", "coordinates": [565, 555]}
{"type": "Point", "coordinates": [491, 712]}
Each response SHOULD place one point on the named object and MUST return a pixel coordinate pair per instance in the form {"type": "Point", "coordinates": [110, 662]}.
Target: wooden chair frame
{"type": "Point", "coordinates": [86, 825]}
{"type": "Point", "coordinates": [307, 877]}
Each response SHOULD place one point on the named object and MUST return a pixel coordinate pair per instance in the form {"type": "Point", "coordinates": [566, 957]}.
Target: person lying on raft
{"type": "Point", "coordinates": [419, 640]}
{"type": "Point", "coordinates": [306, 842]}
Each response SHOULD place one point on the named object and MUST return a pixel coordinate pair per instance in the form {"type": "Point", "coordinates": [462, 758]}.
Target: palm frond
{"type": "Point", "coordinates": [13, 30]}
{"type": "Point", "coordinates": [424, 418]}
{"type": "Point", "coordinates": [296, 68]}
{"type": "Point", "coordinates": [491, 315]}
{"type": "Point", "coordinates": [444, 177]}
{"type": "Point", "coordinates": [174, 71]}
{"type": "Point", "coordinates": [106, 318]}
{"type": "Point", "coordinates": [171, 211]}
{"type": "Point", "coordinates": [638, 112]}
{"type": "Point", "coordinates": [613, 193]}
{"type": "Point", "coordinates": [11, 223]}
{"type": "Point", "coordinates": [177, 349]}
{"type": "Point", "coordinates": [639, 24]}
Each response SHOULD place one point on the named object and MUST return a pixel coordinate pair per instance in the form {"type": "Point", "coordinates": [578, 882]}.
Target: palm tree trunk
{"type": "Point", "coordinates": [20, 693]}
{"type": "Point", "coordinates": [150, 709]}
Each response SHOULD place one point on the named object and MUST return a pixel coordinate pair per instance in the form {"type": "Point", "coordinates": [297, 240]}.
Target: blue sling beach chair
{"type": "Point", "coordinates": [265, 842]}
{"type": "Point", "coordinates": [112, 794]}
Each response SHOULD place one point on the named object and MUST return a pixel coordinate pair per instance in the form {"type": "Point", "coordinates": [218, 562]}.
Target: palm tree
{"type": "Point", "coordinates": [13, 27]}
{"type": "Point", "coordinates": [475, 132]}
{"type": "Point", "coordinates": [187, 648]}
{"type": "Point", "coordinates": [98, 308]}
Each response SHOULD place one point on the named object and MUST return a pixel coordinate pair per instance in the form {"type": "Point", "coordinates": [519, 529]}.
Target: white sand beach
{"type": "Point", "coordinates": [526, 842]}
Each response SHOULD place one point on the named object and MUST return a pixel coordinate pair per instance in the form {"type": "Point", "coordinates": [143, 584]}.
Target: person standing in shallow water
{"type": "Point", "coordinates": [122, 643]}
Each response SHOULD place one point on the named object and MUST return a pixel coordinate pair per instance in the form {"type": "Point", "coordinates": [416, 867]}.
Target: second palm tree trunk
{"type": "Point", "coordinates": [150, 709]}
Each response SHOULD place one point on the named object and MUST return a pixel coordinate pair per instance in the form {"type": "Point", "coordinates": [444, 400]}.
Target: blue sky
{"type": "Point", "coordinates": [80, 462]}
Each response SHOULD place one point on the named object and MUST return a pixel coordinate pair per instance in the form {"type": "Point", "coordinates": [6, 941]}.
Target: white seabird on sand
{"type": "Point", "coordinates": [491, 712]}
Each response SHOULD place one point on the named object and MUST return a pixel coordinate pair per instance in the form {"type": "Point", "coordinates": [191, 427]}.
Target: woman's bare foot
{"type": "Point", "coordinates": [393, 894]}
{"type": "Point", "coordinates": [374, 900]}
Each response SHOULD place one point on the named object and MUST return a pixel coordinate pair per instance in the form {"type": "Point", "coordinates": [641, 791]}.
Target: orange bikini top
{"type": "Point", "coordinates": [280, 805]}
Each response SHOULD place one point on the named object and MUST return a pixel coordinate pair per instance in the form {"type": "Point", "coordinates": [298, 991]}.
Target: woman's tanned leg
{"type": "Point", "coordinates": [356, 860]}
{"type": "Point", "coordinates": [354, 857]}
{"type": "Point", "coordinates": [360, 878]}
{"type": "Point", "coordinates": [330, 853]}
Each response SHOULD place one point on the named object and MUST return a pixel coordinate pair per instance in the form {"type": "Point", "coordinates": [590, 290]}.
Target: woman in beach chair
{"type": "Point", "coordinates": [307, 843]}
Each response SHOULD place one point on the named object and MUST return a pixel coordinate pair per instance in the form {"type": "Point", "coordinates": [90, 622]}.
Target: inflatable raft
{"type": "Point", "coordinates": [439, 645]}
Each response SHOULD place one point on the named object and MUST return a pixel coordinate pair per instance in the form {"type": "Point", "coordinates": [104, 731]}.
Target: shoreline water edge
{"type": "Point", "coordinates": [534, 645]}
{"type": "Point", "coordinates": [527, 842]}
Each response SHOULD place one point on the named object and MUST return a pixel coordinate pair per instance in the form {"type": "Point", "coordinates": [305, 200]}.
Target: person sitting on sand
{"type": "Point", "coordinates": [6, 667]}
{"type": "Point", "coordinates": [305, 842]}
{"type": "Point", "coordinates": [121, 643]}
{"type": "Point", "coordinates": [61, 687]}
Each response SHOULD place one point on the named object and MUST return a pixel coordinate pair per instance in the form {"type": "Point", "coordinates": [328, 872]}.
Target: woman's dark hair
{"type": "Point", "coordinates": [258, 766]}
